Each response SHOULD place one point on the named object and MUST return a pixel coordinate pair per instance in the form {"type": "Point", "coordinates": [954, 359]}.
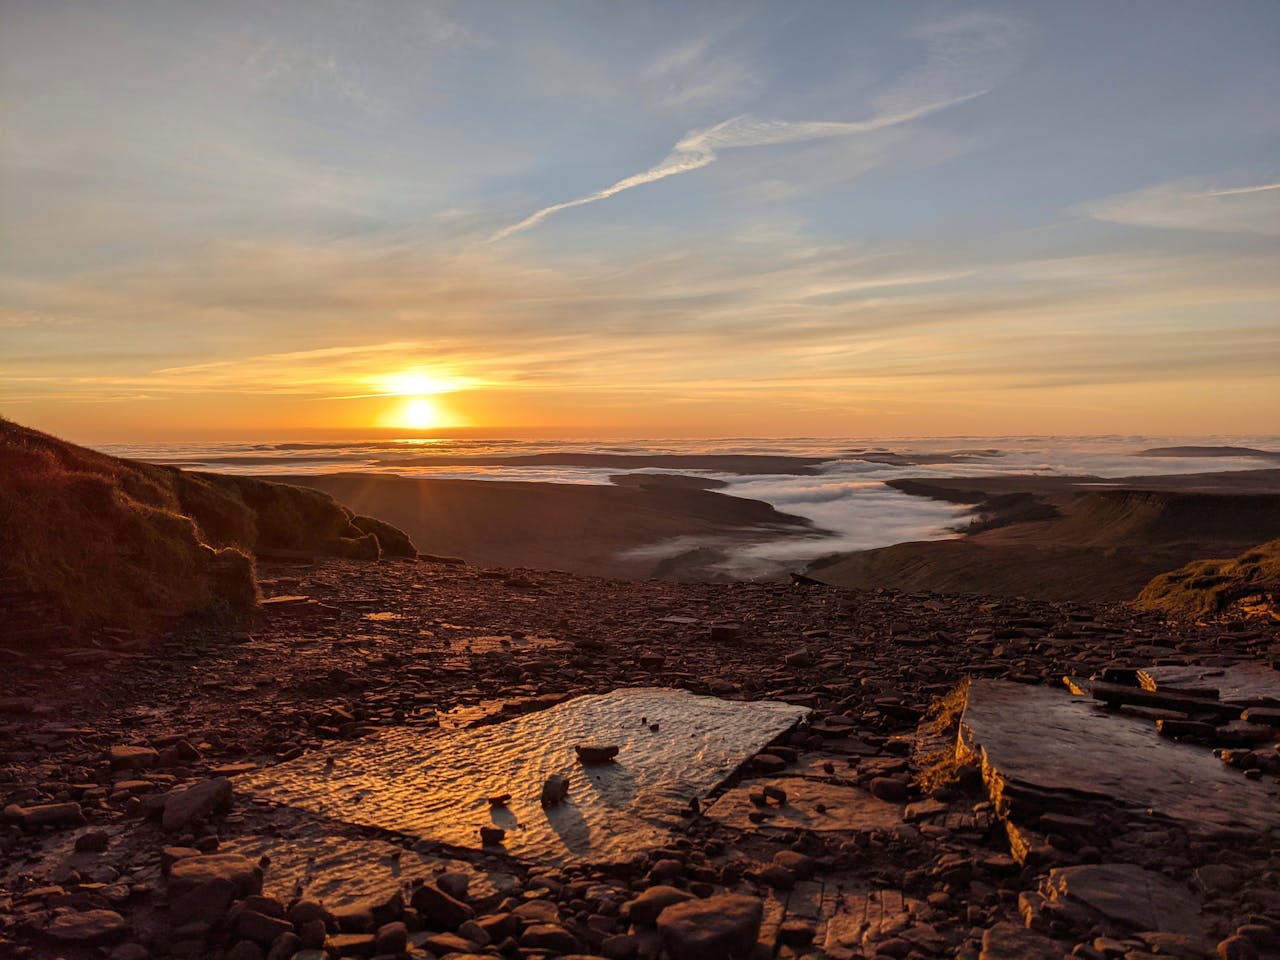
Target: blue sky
{"type": "Point", "coordinates": [645, 219]}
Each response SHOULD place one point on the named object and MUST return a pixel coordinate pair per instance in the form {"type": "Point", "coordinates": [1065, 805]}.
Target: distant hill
{"type": "Point", "coordinates": [1211, 452]}
{"type": "Point", "coordinates": [112, 542]}
{"type": "Point", "coordinates": [1060, 541]}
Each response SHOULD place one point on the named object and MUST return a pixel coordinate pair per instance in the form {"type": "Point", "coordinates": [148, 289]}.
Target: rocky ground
{"type": "Point", "coordinates": [129, 831]}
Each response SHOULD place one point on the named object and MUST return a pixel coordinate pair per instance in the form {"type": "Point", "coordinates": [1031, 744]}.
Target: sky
{"type": "Point", "coordinates": [248, 220]}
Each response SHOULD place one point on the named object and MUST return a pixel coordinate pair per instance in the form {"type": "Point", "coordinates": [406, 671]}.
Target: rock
{"type": "Point", "coordinates": [888, 788]}
{"type": "Point", "coordinates": [438, 909]}
{"type": "Point", "coordinates": [86, 928]}
{"type": "Point", "coordinates": [780, 878]}
{"type": "Point", "coordinates": [132, 758]}
{"type": "Point", "coordinates": [202, 888]}
{"type": "Point", "coordinates": [723, 632]}
{"type": "Point", "coordinates": [548, 936]}
{"type": "Point", "coordinates": [536, 911]}
{"type": "Point", "coordinates": [171, 855]}
{"type": "Point", "coordinates": [1237, 948]}
{"type": "Point", "coordinates": [665, 869]}
{"type": "Point", "coordinates": [455, 883]}
{"type": "Point", "coordinates": [1008, 941]}
{"type": "Point", "coordinates": [595, 753]}
{"type": "Point", "coordinates": [645, 908]}
{"type": "Point", "coordinates": [620, 947]}
{"type": "Point", "coordinates": [799, 864]}
{"type": "Point", "coordinates": [182, 808]}
{"type": "Point", "coordinates": [801, 658]}
{"type": "Point", "coordinates": [726, 925]}
{"type": "Point", "coordinates": [554, 790]}
{"type": "Point", "coordinates": [287, 947]}
{"type": "Point", "coordinates": [92, 841]}
{"type": "Point", "coordinates": [246, 950]}
{"type": "Point", "coordinates": [492, 835]}
{"type": "Point", "coordinates": [45, 815]}
{"type": "Point", "coordinates": [769, 763]}
{"type": "Point", "coordinates": [261, 928]}
{"type": "Point", "coordinates": [130, 951]}
{"type": "Point", "coordinates": [392, 938]}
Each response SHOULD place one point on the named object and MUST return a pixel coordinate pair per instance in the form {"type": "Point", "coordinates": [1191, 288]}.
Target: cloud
{"type": "Point", "coordinates": [963, 56]}
{"type": "Point", "coordinates": [1196, 204]}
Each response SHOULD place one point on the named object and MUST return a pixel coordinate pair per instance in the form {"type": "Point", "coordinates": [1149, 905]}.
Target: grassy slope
{"type": "Point", "coordinates": [121, 543]}
{"type": "Point", "coordinates": [1204, 588]}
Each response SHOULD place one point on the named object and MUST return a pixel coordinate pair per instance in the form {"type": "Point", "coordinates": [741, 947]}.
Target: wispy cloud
{"type": "Point", "coordinates": [962, 54]}
{"type": "Point", "coordinates": [1198, 204]}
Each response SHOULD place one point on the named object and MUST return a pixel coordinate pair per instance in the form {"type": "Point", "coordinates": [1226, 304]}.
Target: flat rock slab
{"type": "Point", "coordinates": [342, 872]}
{"type": "Point", "coordinates": [1240, 683]}
{"type": "Point", "coordinates": [1050, 741]}
{"type": "Point", "coordinates": [434, 784]}
{"type": "Point", "coordinates": [848, 809]}
{"type": "Point", "coordinates": [1128, 895]}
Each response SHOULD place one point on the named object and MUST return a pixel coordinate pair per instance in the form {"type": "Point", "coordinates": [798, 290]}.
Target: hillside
{"type": "Point", "coordinates": [1061, 540]}
{"type": "Point", "coordinates": [643, 529]}
{"type": "Point", "coordinates": [1249, 583]}
{"type": "Point", "coordinates": [97, 541]}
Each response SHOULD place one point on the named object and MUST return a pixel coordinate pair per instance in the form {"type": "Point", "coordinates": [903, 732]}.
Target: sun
{"type": "Point", "coordinates": [418, 413]}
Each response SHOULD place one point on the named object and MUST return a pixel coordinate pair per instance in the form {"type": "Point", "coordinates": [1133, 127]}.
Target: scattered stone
{"type": "Point", "coordinates": [45, 815]}
{"type": "Point", "coordinates": [92, 841]}
{"type": "Point", "coordinates": [87, 928]}
{"type": "Point", "coordinates": [492, 835]}
{"type": "Point", "coordinates": [554, 790]}
{"type": "Point", "coordinates": [595, 753]}
{"type": "Point", "coordinates": [132, 758]}
{"type": "Point", "coordinates": [889, 789]}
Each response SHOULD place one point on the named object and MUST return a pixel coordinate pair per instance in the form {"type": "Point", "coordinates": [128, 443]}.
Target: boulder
{"type": "Point", "coordinates": [439, 910]}
{"type": "Point", "coordinates": [645, 908]}
{"type": "Point", "coordinates": [184, 807]}
{"type": "Point", "coordinates": [721, 926]}
{"type": "Point", "coordinates": [202, 888]}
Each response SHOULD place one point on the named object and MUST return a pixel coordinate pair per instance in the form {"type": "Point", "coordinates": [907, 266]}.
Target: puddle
{"type": "Point", "coordinates": [434, 785]}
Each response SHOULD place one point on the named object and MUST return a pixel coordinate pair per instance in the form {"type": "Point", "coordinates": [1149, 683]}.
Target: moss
{"type": "Point", "coordinates": [1207, 588]}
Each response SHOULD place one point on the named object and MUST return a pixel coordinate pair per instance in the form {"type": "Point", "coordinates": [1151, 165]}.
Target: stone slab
{"type": "Point", "coordinates": [434, 784]}
{"type": "Point", "coordinates": [1054, 743]}
{"type": "Point", "coordinates": [1240, 683]}
{"type": "Point", "coordinates": [1128, 896]}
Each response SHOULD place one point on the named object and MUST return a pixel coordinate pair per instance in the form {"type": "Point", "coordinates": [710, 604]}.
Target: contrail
{"type": "Point", "coordinates": [698, 149]}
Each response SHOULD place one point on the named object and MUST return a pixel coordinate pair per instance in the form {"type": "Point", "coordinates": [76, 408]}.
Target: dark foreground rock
{"type": "Point", "coordinates": [892, 823]}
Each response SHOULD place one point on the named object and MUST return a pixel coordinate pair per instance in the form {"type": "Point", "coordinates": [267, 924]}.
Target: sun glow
{"type": "Point", "coordinates": [418, 383]}
{"type": "Point", "coordinates": [418, 413]}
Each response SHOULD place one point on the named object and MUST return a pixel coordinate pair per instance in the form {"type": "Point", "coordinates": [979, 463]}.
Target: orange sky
{"type": "Point", "coordinates": [874, 220]}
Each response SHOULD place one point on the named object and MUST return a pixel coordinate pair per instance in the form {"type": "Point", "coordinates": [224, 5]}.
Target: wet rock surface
{"type": "Point", "coordinates": [870, 830]}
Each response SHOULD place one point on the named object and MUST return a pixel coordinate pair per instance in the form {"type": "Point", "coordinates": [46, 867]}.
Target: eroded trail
{"type": "Point", "coordinates": [857, 832]}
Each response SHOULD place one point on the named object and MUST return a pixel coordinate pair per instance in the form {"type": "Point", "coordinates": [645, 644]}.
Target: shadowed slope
{"type": "Point", "coordinates": [576, 527]}
{"type": "Point", "coordinates": [116, 542]}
